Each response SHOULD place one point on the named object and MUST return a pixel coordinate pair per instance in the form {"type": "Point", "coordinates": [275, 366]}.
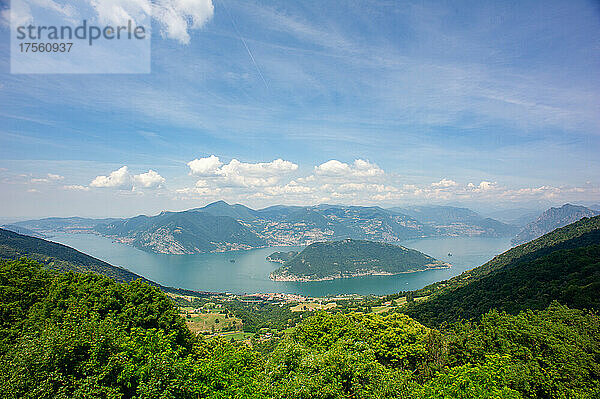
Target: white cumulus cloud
{"type": "Point", "coordinates": [124, 180]}
{"type": "Point", "coordinates": [150, 179]}
{"type": "Point", "coordinates": [119, 12]}
{"type": "Point", "coordinates": [487, 185]}
{"type": "Point", "coordinates": [205, 166]}
{"type": "Point", "coordinates": [360, 168]}
{"type": "Point", "coordinates": [119, 178]}
{"type": "Point", "coordinates": [54, 177]}
{"type": "Point", "coordinates": [50, 177]}
{"type": "Point", "coordinates": [237, 173]}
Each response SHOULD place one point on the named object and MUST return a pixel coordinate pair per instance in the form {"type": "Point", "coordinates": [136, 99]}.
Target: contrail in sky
{"type": "Point", "coordinates": [245, 45]}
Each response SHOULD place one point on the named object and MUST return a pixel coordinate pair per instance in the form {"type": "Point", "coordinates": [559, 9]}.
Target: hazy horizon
{"type": "Point", "coordinates": [514, 212]}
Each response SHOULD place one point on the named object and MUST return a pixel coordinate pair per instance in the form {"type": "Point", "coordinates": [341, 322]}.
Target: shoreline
{"type": "Point", "coordinates": [299, 279]}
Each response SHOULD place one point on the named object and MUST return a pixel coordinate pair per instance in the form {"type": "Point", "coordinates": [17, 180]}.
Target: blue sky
{"type": "Point", "coordinates": [483, 104]}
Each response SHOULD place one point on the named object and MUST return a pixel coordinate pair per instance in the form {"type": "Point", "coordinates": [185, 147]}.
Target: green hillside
{"type": "Point", "coordinates": [581, 233]}
{"type": "Point", "coordinates": [220, 226]}
{"type": "Point", "coordinates": [563, 265]}
{"type": "Point", "coordinates": [222, 208]}
{"type": "Point", "coordinates": [78, 335]}
{"type": "Point", "coordinates": [61, 258]}
{"type": "Point", "coordinates": [350, 258]}
{"type": "Point", "coordinates": [22, 230]}
{"type": "Point", "coordinates": [57, 256]}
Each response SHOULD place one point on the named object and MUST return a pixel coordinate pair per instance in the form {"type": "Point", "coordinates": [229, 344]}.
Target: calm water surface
{"type": "Point", "coordinates": [250, 271]}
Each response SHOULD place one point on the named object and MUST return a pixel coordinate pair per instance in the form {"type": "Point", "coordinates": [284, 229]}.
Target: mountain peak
{"type": "Point", "coordinates": [216, 203]}
{"type": "Point", "coordinates": [551, 219]}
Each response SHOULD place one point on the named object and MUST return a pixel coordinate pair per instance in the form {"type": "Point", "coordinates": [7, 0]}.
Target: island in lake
{"type": "Point", "coordinates": [350, 258]}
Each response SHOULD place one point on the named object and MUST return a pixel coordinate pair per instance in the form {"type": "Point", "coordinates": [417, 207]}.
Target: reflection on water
{"type": "Point", "coordinates": [249, 271]}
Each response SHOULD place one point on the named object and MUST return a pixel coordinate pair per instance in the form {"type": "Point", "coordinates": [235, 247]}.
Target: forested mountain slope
{"type": "Point", "coordinates": [563, 265]}
{"type": "Point", "coordinates": [351, 258]}
{"type": "Point", "coordinates": [78, 335]}
{"type": "Point", "coordinates": [186, 232]}
{"type": "Point", "coordinates": [57, 256]}
{"type": "Point", "coordinates": [584, 232]}
{"type": "Point", "coordinates": [63, 259]}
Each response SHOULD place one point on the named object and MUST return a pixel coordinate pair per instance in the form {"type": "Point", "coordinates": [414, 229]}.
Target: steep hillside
{"type": "Point", "coordinates": [186, 232]}
{"type": "Point", "coordinates": [58, 257]}
{"type": "Point", "coordinates": [22, 230]}
{"type": "Point", "coordinates": [563, 265]}
{"type": "Point", "coordinates": [281, 257]}
{"type": "Point", "coordinates": [581, 233]}
{"type": "Point", "coordinates": [62, 258]}
{"type": "Point", "coordinates": [516, 216]}
{"type": "Point", "coordinates": [352, 258]}
{"type": "Point", "coordinates": [552, 219]}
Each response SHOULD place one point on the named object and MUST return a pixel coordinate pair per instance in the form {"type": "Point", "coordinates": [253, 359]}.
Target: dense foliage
{"type": "Point", "coordinates": [57, 256]}
{"type": "Point", "coordinates": [75, 335]}
{"type": "Point", "coordinates": [351, 257]}
{"type": "Point", "coordinates": [579, 234]}
{"type": "Point", "coordinates": [84, 336]}
{"type": "Point", "coordinates": [549, 354]}
{"type": "Point", "coordinates": [571, 276]}
{"type": "Point", "coordinates": [62, 258]}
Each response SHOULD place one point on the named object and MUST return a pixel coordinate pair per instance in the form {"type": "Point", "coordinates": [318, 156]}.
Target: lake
{"type": "Point", "coordinates": [250, 271]}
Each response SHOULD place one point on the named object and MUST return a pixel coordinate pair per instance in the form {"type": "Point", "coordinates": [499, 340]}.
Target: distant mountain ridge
{"type": "Point", "coordinates": [220, 226]}
{"type": "Point", "coordinates": [517, 217]}
{"type": "Point", "coordinates": [450, 220]}
{"type": "Point", "coordinates": [552, 219]}
{"type": "Point", "coordinates": [350, 258]}
{"type": "Point", "coordinates": [64, 225]}
{"type": "Point", "coordinates": [185, 232]}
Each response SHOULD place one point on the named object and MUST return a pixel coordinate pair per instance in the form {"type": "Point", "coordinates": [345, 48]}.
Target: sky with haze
{"type": "Point", "coordinates": [486, 104]}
